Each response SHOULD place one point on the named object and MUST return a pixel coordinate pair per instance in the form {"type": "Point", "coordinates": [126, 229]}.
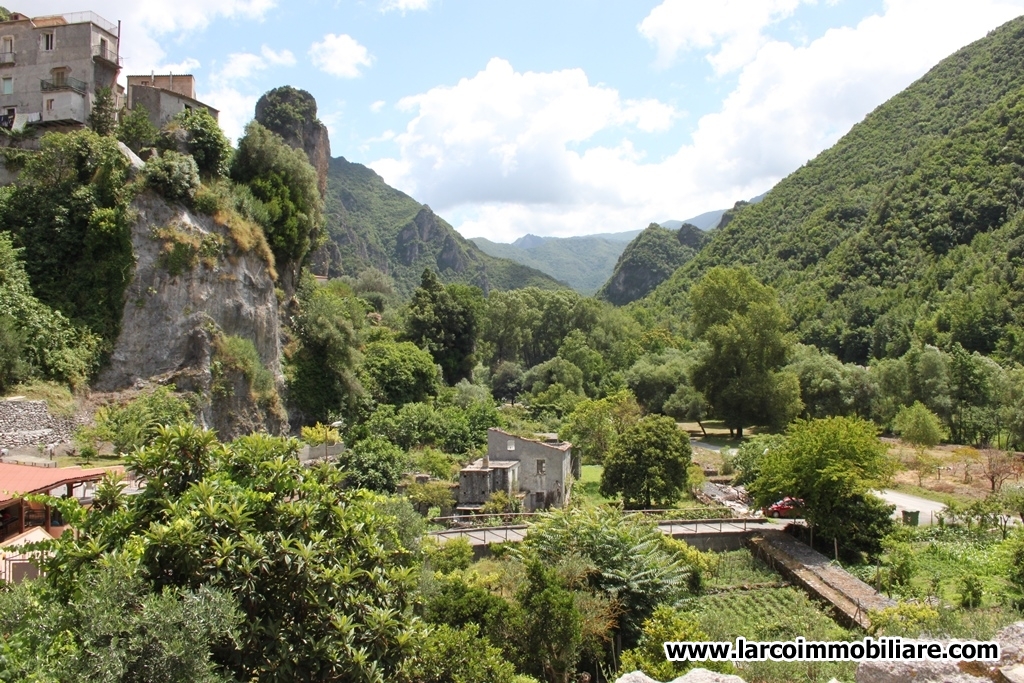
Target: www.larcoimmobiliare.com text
{"type": "Point", "coordinates": [800, 650]}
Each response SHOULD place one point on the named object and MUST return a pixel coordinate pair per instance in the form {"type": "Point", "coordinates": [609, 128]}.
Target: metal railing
{"type": "Point", "coordinates": [93, 18]}
{"type": "Point", "coordinates": [6, 58]}
{"type": "Point", "coordinates": [6, 121]}
{"type": "Point", "coordinates": [66, 83]}
{"type": "Point", "coordinates": [107, 55]}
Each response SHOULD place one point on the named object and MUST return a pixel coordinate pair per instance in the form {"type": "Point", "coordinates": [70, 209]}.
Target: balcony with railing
{"type": "Point", "coordinates": [101, 53]}
{"type": "Point", "coordinates": [6, 58]}
{"type": "Point", "coordinates": [64, 83]}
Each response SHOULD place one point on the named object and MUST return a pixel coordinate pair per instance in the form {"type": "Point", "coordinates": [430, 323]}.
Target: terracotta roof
{"type": "Point", "coordinates": [19, 480]}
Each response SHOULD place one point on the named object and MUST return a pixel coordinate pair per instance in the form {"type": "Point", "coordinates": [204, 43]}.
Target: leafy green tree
{"type": "Point", "coordinates": [321, 378]}
{"type": "Point", "coordinates": [102, 118]}
{"type": "Point", "coordinates": [134, 424]}
{"type": "Point", "coordinates": [173, 175]}
{"type": "Point", "coordinates": [557, 370]}
{"type": "Point", "coordinates": [747, 459]}
{"type": "Point", "coordinates": [284, 183]}
{"type": "Point", "coordinates": [918, 426]}
{"type": "Point", "coordinates": [13, 367]}
{"type": "Point", "coordinates": [398, 372]}
{"type": "Point", "coordinates": [739, 369]}
{"type": "Point", "coordinates": [594, 427]}
{"type": "Point", "coordinates": [507, 326]}
{"type": "Point", "coordinates": [115, 629]}
{"type": "Point", "coordinates": [318, 571]}
{"type": "Point", "coordinates": [70, 215]}
{"type": "Point", "coordinates": [507, 381]}
{"type": "Point", "coordinates": [577, 351]}
{"type": "Point", "coordinates": [831, 463]}
{"type": "Point", "coordinates": [630, 560]}
{"type": "Point", "coordinates": [552, 626]}
{"type": "Point", "coordinates": [136, 130]}
{"type": "Point", "coordinates": [655, 377]}
{"type": "Point", "coordinates": [444, 321]}
{"type": "Point", "coordinates": [206, 142]}
{"type": "Point", "coordinates": [647, 465]}
{"type": "Point", "coordinates": [374, 464]}
{"type": "Point", "coordinates": [665, 625]}
{"type": "Point", "coordinates": [459, 655]}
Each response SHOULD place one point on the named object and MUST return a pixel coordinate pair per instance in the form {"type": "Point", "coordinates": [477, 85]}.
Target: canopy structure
{"type": "Point", "coordinates": [18, 481]}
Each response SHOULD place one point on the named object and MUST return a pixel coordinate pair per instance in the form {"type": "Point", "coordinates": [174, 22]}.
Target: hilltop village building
{"type": "Point", "coordinates": [51, 68]}
{"type": "Point", "coordinates": [536, 471]}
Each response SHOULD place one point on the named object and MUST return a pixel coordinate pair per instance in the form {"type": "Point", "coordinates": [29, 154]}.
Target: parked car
{"type": "Point", "coordinates": [787, 507]}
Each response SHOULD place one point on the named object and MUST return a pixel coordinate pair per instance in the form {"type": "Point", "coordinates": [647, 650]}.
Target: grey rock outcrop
{"type": "Point", "coordinates": [1011, 645]}
{"type": "Point", "coordinates": [26, 423]}
{"type": "Point", "coordinates": [173, 315]}
{"type": "Point", "coordinates": [291, 113]}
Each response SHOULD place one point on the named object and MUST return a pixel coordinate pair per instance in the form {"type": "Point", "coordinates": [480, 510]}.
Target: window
{"type": "Point", "coordinates": [49, 104]}
{"type": "Point", "coordinates": [7, 45]}
{"type": "Point", "coordinates": [7, 86]}
{"type": "Point", "coordinates": [542, 467]}
{"type": "Point", "coordinates": [511, 445]}
{"type": "Point", "coordinates": [11, 111]}
{"type": "Point", "coordinates": [48, 42]}
{"type": "Point", "coordinates": [60, 77]}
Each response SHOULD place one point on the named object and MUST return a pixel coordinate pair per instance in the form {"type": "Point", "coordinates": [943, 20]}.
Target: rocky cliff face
{"type": "Point", "coordinates": [191, 287]}
{"type": "Point", "coordinates": [649, 260]}
{"type": "Point", "coordinates": [291, 113]}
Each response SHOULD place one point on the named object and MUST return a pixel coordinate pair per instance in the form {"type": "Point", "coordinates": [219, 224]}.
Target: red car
{"type": "Point", "coordinates": [787, 507]}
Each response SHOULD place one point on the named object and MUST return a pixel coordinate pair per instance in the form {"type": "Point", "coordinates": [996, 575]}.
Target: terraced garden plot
{"type": "Point", "coordinates": [737, 568]}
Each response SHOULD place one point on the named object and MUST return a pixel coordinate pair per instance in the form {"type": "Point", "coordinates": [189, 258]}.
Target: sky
{"type": "Point", "coordinates": [557, 117]}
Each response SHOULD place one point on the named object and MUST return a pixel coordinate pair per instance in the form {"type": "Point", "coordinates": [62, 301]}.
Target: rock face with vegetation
{"type": "Point", "coordinates": [291, 113]}
{"type": "Point", "coordinates": [192, 288]}
{"type": "Point", "coordinates": [373, 225]}
{"type": "Point", "coordinates": [649, 260]}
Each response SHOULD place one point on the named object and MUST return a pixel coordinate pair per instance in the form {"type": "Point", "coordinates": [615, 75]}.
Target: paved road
{"type": "Point", "coordinates": [700, 444]}
{"type": "Point", "coordinates": [929, 509]}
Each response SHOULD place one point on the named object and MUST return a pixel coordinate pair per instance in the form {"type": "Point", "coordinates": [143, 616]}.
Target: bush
{"type": "Point", "coordinates": [134, 424]}
{"type": "Point", "coordinates": [453, 555]}
{"type": "Point", "coordinates": [240, 355]}
{"type": "Point", "coordinates": [205, 141]}
{"type": "Point", "coordinates": [136, 130]}
{"type": "Point", "coordinates": [173, 175]}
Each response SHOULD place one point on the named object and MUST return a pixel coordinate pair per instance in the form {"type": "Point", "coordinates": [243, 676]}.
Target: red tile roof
{"type": "Point", "coordinates": [19, 480]}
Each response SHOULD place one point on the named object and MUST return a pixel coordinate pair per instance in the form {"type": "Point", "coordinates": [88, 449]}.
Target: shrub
{"type": "Point", "coordinates": [173, 175]}
{"type": "Point", "coordinates": [240, 354]}
{"type": "Point", "coordinates": [205, 141]}
{"type": "Point", "coordinates": [453, 555]}
{"type": "Point", "coordinates": [136, 130]}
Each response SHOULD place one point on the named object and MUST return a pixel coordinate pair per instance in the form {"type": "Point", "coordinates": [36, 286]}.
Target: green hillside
{"type": "Point", "coordinates": [649, 259]}
{"type": "Point", "coordinates": [370, 223]}
{"type": "Point", "coordinates": [584, 263]}
{"type": "Point", "coordinates": [908, 228]}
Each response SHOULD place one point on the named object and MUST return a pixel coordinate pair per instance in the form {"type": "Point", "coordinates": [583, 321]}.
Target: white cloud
{"type": "Point", "coordinates": [404, 6]}
{"type": "Point", "coordinates": [502, 136]}
{"type": "Point", "coordinates": [144, 22]}
{"type": "Point", "coordinates": [340, 56]}
{"type": "Point", "coordinates": [505, 153]}
{"type": "Point", "coordinates": [242, 65]}
{"type": "Point", "coordinates": [377, 106]}
{"type": "Point", "coordinates": [236, 109]}
{"type": "Point", "coordinates": [185, 66]}
{"type": "Point", "coordinates": [731, 27]}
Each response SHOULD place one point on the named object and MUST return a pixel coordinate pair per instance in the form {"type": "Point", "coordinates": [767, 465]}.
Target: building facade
{"type": "Point", "coordinates": [165, 96]}
{"type": "Point", "coordinates": [52, 66]}
{"type": "Point", "coordinates": [537, 471]}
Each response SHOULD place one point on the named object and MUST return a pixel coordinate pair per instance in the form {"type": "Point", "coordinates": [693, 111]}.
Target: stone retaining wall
{"type": "Point", "coordinates": [28, 423]}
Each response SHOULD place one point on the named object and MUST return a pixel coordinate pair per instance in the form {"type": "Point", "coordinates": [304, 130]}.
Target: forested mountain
{"type": "Point", "coordinates": [908, 228]}
{"type": "Point", "coordinates": [649, 259]}
{"type": "Point", "coordinates": [371, 224]}
{"type": "Point", "coordinates": [582, 262]}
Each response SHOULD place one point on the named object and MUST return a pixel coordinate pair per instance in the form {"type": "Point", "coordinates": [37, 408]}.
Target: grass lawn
{"type": "Point", "coordinates": [589, 485]}
{"type": "Point", "coordinates": [98, 461]}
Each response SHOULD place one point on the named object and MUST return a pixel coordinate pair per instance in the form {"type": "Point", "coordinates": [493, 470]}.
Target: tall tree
{"type": "Point", "coordinates": [647, 465]}
{"type": "Point", "coordinates": [739, 370]}
{"type": "Point", "coordinates": [444, 321]}
{"type": "Point", "coordinates": [832, 464]}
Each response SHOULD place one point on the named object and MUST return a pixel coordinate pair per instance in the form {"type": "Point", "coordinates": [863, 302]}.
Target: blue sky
{"type": "Point", "coordinates": [559, 118]}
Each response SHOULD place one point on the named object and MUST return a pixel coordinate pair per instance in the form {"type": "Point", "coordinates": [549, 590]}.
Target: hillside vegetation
{"type": "Point", "coordinates": [371, 224]}
{"type": "Point", "coordinates": [907, 229]}
{"type": "Point", "coordinates": [649, 260]}
{"type": "Point", "coordinates": [584, 263]}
